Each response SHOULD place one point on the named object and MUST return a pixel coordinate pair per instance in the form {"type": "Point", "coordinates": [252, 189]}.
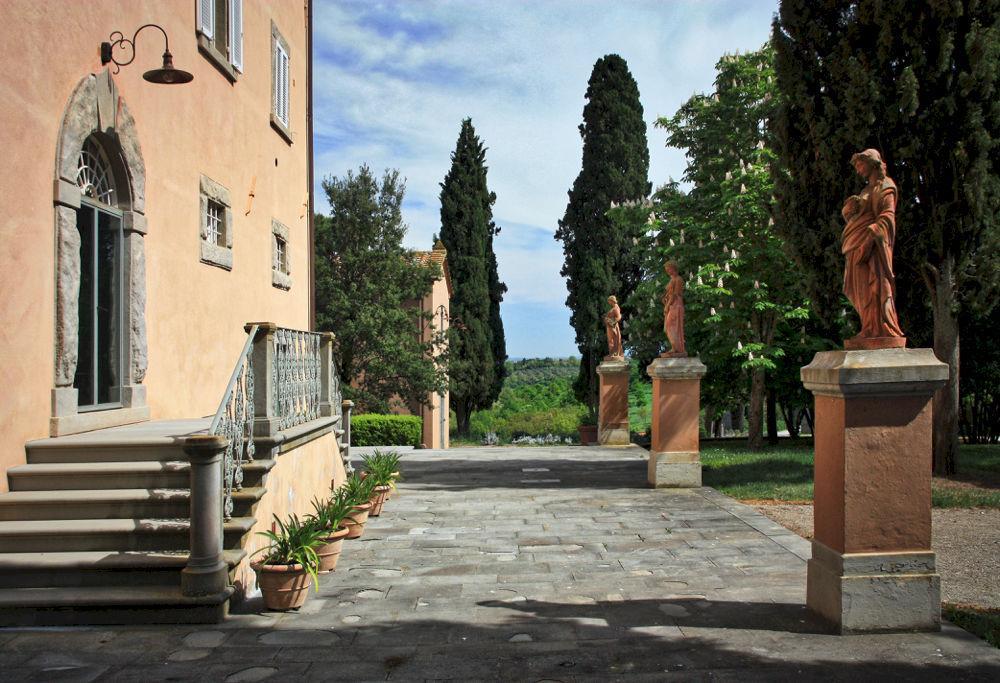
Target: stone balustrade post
{"type": "Point", "coordinates": [872, 567]}
{"type": "Point", "coordinates": [328, 384]}
{"type": "Point", "coordinates": [266, 420]}
{"type": "Point", "coordinates": [348, 407]}
{"type": "Point", "coordinates": [206, 572]}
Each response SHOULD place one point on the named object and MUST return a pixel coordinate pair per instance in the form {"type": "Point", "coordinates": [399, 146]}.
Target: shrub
{"type": "Point", "coordinates": [386, 430]}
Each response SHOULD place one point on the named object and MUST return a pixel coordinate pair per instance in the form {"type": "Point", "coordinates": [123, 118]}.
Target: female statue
{"type": "Point", "coordinates": [673, 312]}
{"type": "Point", "coordinates": [867, 245]}
{"type": "Point", "coordinates": [611, 320]}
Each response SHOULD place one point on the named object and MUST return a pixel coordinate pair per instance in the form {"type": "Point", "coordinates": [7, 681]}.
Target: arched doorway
{"type": "Point", "coordinates": [100, 224]}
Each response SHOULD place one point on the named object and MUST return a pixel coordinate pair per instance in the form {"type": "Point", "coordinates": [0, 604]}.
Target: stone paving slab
{"type": "Point", "coordinates": [483, 568]}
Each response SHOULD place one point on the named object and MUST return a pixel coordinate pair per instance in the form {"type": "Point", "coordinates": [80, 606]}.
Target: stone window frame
{"type": "Point", "coordinates": [96, 107]}
{"type": "Point", "coordinates": [281, 273]}
{"type": "Point", "coordinates": [283, 129]}
{"type": "Point", "coordinates": [212, 253]}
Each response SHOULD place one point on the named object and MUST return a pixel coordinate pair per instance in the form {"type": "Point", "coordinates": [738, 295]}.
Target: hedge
{"type": "Point", "coordinates": [386, 430]}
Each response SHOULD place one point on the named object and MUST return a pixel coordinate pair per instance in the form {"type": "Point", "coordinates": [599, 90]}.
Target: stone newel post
{"type": "Point", "coordinates": [266, 421]}
{"type": "Point", "coordinates": [872, 568]}
{"type": "Point", "coordinates": [206, 572]}
{"type": "Point", "coordinates": [674, 455]}
{"type": "Point", "coordinates": [612, 422]}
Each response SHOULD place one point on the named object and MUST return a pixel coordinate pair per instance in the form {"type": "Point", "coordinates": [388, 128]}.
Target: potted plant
{"type": "Point", "coordinates": [329, 516]}
{"type": "Point", "coordinates": [358, 492]}
{"type": "Point", "coordinates": [381, 468]}
{"type": "Point", "coordinates": [289, 563]}
{"type": "Point", "coordinates": [588, 429]}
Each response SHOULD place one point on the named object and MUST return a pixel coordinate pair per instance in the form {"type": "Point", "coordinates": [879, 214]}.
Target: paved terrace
{"type": "Point", "coordinates": [528, 564]}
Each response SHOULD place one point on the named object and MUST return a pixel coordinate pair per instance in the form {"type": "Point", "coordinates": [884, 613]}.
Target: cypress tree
{"type": "Point", "coordinates": [602, 258]}
{"type": "Point", "coordinates": [919, 82]}
{"type": "Point", "coordinates": [467, 230]}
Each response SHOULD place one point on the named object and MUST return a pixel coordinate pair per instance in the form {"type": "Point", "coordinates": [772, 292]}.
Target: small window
{"type": "Point", "coordinates": [216, 224]}
{"type": "Point", "coordinates": [281, 272]}
{"type": "Point", "coordinates": [220, 34]}
{"type": "Point", "coordinates": [280, 84]}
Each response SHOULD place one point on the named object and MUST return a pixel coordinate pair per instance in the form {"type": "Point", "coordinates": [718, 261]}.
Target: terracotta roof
{"type": "Point", "coordinates": [438, 255]}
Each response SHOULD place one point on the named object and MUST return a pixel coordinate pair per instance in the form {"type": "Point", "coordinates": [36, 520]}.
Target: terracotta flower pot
{"type": "Point", "coordinates": [588, 435]}
{"type": "Point", "coordinates": [355, 523]}
{"type": "Point", "coordinates": [284, 586]}
{"type": "Point", "coordinates": [379, 496]}
{"type": "Point", "coordinates": [329, 552]}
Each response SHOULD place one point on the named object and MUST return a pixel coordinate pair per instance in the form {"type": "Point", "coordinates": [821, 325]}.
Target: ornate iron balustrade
{"type": "Point", "coordinates": [297, 376]}
{"type": "Point", "coordinates": [234, 420]}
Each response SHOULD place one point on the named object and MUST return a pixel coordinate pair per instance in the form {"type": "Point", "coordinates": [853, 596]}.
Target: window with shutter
{"type": "Point", "coordinates": [236, 34]}
{"type": "Point", "coordinates": [280, 84]}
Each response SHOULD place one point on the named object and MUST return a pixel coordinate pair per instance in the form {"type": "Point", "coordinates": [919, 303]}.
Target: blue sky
{"type": "Point", "coordinates": [393, 81]}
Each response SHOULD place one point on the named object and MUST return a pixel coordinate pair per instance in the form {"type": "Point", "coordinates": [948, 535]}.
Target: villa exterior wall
{"type": "Point", "coordinates": [210, 127]}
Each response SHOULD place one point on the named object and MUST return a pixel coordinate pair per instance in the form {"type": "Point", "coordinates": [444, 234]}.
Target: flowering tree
{"type": "Point", "coordinates": [747, 316]}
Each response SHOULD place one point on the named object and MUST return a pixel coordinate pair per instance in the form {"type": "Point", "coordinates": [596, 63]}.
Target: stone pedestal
{"type": "Point", "coordinates": [872, 568]}
{"type": "Point", "coordinates": [674, 460]}
{"type": "Point", "coordinates": [612, 421]}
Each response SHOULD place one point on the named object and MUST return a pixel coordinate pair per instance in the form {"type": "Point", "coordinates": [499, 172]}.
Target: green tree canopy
{"type": "Point", "coordinates": [477, 349]}
{"type": "Point", "coordinates": [366, 283]}
{"type": "Point", "coordinates": [601, 257]}
{"type": "Point", "coordinates": [919, 82]}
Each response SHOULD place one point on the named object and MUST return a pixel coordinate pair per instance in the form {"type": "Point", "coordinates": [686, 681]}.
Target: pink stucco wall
{"type": "Point", "coordinates": [194, 312]}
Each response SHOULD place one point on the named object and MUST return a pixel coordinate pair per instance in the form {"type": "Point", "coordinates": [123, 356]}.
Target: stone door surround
{"type": "Point", "coordinates": [96, 108]}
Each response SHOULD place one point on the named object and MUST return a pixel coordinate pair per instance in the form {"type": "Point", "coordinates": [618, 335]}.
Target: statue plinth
{"type": "Point", "coordinates": [674, 454]}
{"type": "Point", "coordinates": [872, 568]}
{"type": "Point", "coordinates": [612, 421]}
{"type": "Point", "coordinates": [874, 343]}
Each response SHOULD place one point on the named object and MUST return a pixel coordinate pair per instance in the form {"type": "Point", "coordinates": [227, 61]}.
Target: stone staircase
{"type": "Point", "coordinates": [95, 529]}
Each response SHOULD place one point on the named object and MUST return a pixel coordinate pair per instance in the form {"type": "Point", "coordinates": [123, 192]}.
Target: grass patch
{"type": "Point", "coordinates": [785, 473]}
{"type": "Point", "coordinates": [979, 621]}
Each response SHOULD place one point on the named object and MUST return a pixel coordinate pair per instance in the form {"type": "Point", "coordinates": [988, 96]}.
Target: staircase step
{"type": "Point", "coordinates": [150, 474]}
{"type": "Point", "coordinates": [158, 440]}
{"type": "Point", "coordinates": [98, 568]}
{"type": "Point", "coordinates": [109, 503]}
{"type": "Point", "coordinates": [62, 535]}
{"type": "Point", "coordinates": [109, 605]}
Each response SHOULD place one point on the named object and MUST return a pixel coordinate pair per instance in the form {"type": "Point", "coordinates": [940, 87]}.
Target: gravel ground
{"type": "Point", "coordinates": [967, 543]}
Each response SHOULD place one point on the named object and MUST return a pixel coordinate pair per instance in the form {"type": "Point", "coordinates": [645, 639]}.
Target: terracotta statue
{"type": "Point", "coordinates": [611, 320]}
{"type": "Point", "coordinates": [867, 245]}
{"type": "Point", "coordinates": [673, 312]}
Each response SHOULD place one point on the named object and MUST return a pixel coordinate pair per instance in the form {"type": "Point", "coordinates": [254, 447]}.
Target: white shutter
{"type": "Point", "coordinates": [206, 17]}
{"type": "Point", "coordinates": [236, 34]}
{"type": "Point", "coordinates": [276, 75]}
{"type": "Point", "coordinates": [285, 83]}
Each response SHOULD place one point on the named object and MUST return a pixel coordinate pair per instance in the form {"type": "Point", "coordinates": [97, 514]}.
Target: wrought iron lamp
{"type": "Point", "coordinates": [168, 75]}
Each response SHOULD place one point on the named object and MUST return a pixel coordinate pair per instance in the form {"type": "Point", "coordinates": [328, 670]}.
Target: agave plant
{"type": "Point", "coordinates": [382, 466]}
{"type": "Point", "coordinates": [356, 490]}
{"type": "Point", "coordinates": [293, 542]}
{"type": "Point", "coordinates": [329, 515]}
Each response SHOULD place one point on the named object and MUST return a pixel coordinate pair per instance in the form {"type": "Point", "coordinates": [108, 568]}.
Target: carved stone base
{"type": "Point", "coordinates": [874, 592]}
{"type": "Point", "coordinates": [873, 343]}
{"type": "Point", "coordinates": [674, 470]}
{"type": "Point", "coordinates": [674, 460]}
{"type": "Point", "coordinates": [612, 423]}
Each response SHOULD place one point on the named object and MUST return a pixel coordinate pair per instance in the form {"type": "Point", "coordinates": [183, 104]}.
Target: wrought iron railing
{"type": "Point", "coordinates": [234, 420]}
{"type": "Point", "coordinates": [297, 372]}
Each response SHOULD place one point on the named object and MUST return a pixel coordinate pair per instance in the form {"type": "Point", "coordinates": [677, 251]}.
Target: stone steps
{"type": "Point", "coordinates": [154, 503]}
{"type": "Point", "coordinates": [57, 535]}
{"type": "Point", "coordinates": [145, 474]}
{"type": "Point", "coordinates": [98, 568]}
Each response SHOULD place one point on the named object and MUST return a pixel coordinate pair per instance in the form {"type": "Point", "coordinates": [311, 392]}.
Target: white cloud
{"type": "Point", "coordinates": [393, 80]}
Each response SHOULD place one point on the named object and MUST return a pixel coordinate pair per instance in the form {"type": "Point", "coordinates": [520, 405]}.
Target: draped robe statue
{"type": "Point", "coordinates": [673, 312]}
{"type": "Point", "coordinates": [867, 244]}
{"type": "Point", "coordinates": [611, 320]}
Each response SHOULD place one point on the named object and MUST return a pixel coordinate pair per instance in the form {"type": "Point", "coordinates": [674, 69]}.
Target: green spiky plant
{"type": "Point", "coordinates": [293, 542]}
{"type": "Point", "coordinates": [382, 467]}
{"type": "Point", "coordinates": [330, 514]}
{"type": "Point", "coordinates": [356, 490]}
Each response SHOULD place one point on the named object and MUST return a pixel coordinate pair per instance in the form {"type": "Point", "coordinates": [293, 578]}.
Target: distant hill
{"type": "Point", "coordinates": [539, 371]}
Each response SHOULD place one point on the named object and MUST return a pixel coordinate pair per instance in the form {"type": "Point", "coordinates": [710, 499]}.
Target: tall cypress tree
{"type": "Point", "coordinates": [602, 258]}
{"type": "Point", "coordinates": [467, 230]}
{"type": "Point", "coordinates": [919, 82]}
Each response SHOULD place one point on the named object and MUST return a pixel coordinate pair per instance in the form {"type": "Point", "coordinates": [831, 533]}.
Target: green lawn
{"type": "Point", "coordinates": [785, 473]}
{"type": "Point", "coordinates": [981, 622]}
